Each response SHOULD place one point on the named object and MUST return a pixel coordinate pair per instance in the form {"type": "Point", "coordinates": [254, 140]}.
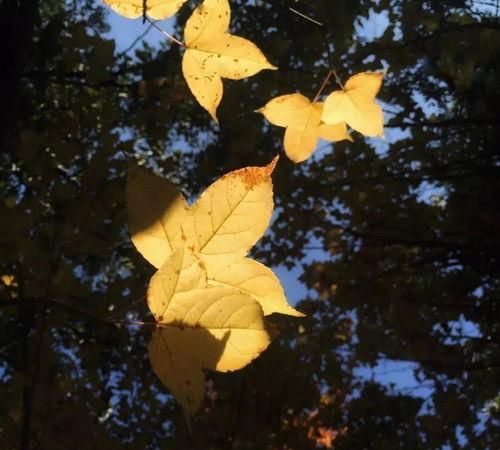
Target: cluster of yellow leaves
{"type": "Point", "coordinates": [211, 53]}
{"type": "Point", "coordinates": [208, 298]}
{"type": "Point", "coordinates": [305, 121]}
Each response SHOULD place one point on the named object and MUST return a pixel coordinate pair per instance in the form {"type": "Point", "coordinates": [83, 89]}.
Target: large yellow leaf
{"type": "Point", "coordinates": [228, 219]}
{"type": "Point", "coordinates": [212, 53]}
{"type": "Point", "coordinates": [257, 280]}
{"type": "Point", "coordinates": [156, 9]}
{"type": "Point", "coordinates": [215, 327]}
{"type": "Point", "coordinates": [355, 104]}
{"type": "Point", "coordinates": [232, 215]}
{"type": "Point", "coordinates": [302, 119]}
{"type": "Point", "coordinates": [155, 213]}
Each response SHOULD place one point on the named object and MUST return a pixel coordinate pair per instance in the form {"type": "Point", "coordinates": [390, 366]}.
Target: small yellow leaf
{"type": "Point", "coordinates": [257, 280]}
{"type": "Point", "coordinates": [156, 210]}
{"type": "Point", "coordinates": [356, 105]}
{"type": "Point", "coordinates": [8, 280]}
{"type": "Point", "coordinates": [216, 328]}
{"type": "Point", "coordinates": [156, 9]}
{"type": "Point", "coordinates": [232, 215]}
{"type": "Point", "coordinates": [212, 53]}
{"type": "Point", "coordinates": [302, 120]}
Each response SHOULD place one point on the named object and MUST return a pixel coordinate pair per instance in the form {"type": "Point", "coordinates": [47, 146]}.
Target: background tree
{"type": "Point", "coordinates": [397, 240]}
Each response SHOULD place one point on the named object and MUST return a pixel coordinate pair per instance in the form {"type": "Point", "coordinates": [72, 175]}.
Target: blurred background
{"type": "Point", "coordinates": [391, 247]}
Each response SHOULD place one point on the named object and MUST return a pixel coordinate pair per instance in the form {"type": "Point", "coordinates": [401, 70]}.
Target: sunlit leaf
{"type": "Point", "coordinates": [355, 104]}
{"type": "Point", "coordinates": [212, 53]}
{"type": "Point", "coordinates": [156, 9]}
{"type": "Point", "coordinates": [8, 280]}
{"type": "Point", "coordinates": [252, 277]}
{"type": "Point", "coordinates": [221, 227]}
{"type": "Point", "coordinates": [302, 119]}
{"type": "Point", "coordinates": [155, 213]}
{"type": "Point", "coordinates": [232, 214]}
{"type": "Point", "coordinates": [216, 328]}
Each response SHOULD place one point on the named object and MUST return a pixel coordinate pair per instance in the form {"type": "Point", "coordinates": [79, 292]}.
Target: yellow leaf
{"type": "Point", "coordinates": [212, 53]}
{"type": "Point", "coordinates": [356, 105]}
{"type": "Point", "coordinates": [302, 119]}
{"type": "Point", "coordinates": [156, 9]}
{"type": "Point", "coordinates": [232, 215]}
{"type": "Point", "coordinates": [227, 220]}
{"type": "Point", "coordinates": [8, 280]}
{"type": "Point", "coordinates": [216, 328]}
{"type": "Point", "coordinates": [257, 280]}
{"type": "Point", "coordinates": [174, 354]}
{"type": "Point", "coordinates": [156, 210]}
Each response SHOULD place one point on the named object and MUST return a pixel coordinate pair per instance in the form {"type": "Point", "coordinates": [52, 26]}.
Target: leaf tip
{"type": "Point", "coordinates": [270, 167]}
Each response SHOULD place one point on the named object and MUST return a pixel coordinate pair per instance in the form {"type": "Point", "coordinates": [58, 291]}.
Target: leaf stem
{"type": "Point", "coordinates": [337, 79]}
{"type": "Point", "coordinates": [167, 35]}
{"type": "Point", "coordinates": [323, 85]}
{"type": "Point", "coordinates": [301, 14]}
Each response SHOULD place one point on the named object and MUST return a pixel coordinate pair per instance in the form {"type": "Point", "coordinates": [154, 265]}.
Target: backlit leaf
{"type": "Point", "coordinates": [217, 328]}
{"type": "Point", "coordinates": [355, 104]}
{"type": "Point", "coordinates": [252, 277]}
{"type": "Point", "coordinates": [232, 215]}
{"type": "Point", "coordinates": [221, 227]}
{"type": "Point", "coordinates": [155, 213]}
{"type": "Point", "coordinates": [212, 53]}
{"type": "Point", "coordinates": [156, 9]}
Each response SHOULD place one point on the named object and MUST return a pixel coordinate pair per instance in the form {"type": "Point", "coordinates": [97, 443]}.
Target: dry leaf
{"type": "Point", "coordinates": [232, 215]}
{"type": "Point", "coordinates": [221, 227]}
{"type": "Point", "coordinates": [252, 277]}
{"type": "Point", "coordinates": [216, 328]}
{"type": "Point", "coordinates": [302, 119]}
{"type": "Point", "coordinates": [155, 213]}
{"type": "Point", "coordinates": [212, 53]}
{"type": "Point", "coordinates": [356, 106]}
{"type": "Point", "coordinates": [156, 9]}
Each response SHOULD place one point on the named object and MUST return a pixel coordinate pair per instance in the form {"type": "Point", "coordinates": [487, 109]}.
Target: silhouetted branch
{"type": "Point", "coordinates": [442, 123]}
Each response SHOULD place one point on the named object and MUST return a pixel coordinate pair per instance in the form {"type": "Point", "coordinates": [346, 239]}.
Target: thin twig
{"type": "Point", "coordinates": [304, 16]}
{"type": "Point", "coordinates": [136, 41]}
{"type": "Point", "coordinates": [337, 79]}
{"type": "Point", "coordinates": [130, 305]}
{"type": "Point", "coordinates": [144, 11]}
{"type": "Point", "coordinates": [330, 58]}
{"type": "Point", "coordinates": [323, 85]}
{"type": "Point", "coordinates": [167, 35]}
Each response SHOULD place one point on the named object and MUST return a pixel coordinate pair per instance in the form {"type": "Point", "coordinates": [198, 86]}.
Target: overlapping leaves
{"type": "Point", "coordinates": [354, 106]}
{"type": "Point", "coordinates": [208, 297]}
